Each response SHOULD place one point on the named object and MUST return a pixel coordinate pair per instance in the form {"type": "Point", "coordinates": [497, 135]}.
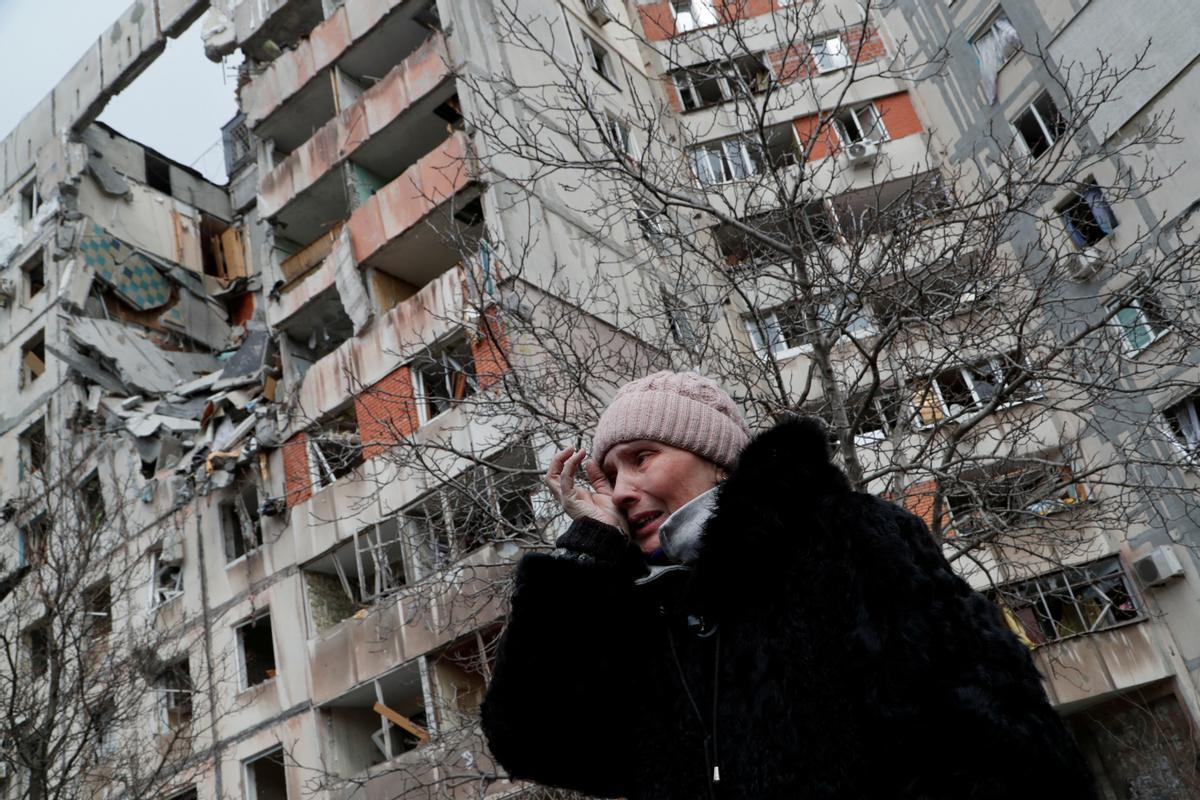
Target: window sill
{"type": "Point", "coordinates": [244, 557]}
{"type": "Point", "coordinates": [257, 687]}
{"type": "Point", "coordinates": [611, 82]}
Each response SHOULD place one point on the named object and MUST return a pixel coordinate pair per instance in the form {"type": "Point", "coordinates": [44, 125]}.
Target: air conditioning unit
{"type": "Point", "coordinates": [1087, 264]}
{"type": "Point", "coordinates": [1158, 566]}
{"type": "Point", "coordinates": [862, 152]}
{"type": "Point", "coordinates": [598, 11]}
{"type": "Point", "coordinates": [8, 291]}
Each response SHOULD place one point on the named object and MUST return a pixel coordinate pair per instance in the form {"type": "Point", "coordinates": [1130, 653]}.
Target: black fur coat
{"type": "Point", "coordinates": [821, 647]}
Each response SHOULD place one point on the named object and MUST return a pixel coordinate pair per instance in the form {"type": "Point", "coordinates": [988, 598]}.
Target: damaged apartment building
{"type": "Point", "coordinates": [268, 386]}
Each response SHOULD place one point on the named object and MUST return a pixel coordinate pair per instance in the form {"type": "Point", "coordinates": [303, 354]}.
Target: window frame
{"type": "Point", "coordinates": [1046, 127]}
{"type": "Point", "coordinates": [966, 373]}
{"type": "Point", "coordinates": [853, 113]}
{"type": "Point", "coordinates": [1157, 328]}
{"type": "Point", "coordinates": [435, 543]}
{"type": "Point", "coordinates": [619, 135]}
{"type": "Point", "coordinates": [821, 53]}
{"type": "Point", "coordinates": [600, 58]}
{"type": "Point", "coordinates": [1057, 499]}
{"type": "Point", "coordinates": [1188, 446]}
{"type": "Point", "coordinates": [989, 29]}
{"type": "Point", "coordinates": [1102, 219]}
{"type": "Point", "coordinates": [439, 353]}
{"type": "Point", "coordinates": [1068, 582]}
{"type": "Point", "coordinates": [157, 567]}
{"type": "Point", "coordinates": [708, 11]}
{"type": "Point", "coordinates": [859, 325]}
{"type": "Point", "coordinates": [720, 148]}
{"type": "Point", "coordinates": [243, 671]}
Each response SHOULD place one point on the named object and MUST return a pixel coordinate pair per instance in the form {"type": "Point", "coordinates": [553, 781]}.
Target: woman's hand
{"type": "Point", "coordinates": [577, 501]}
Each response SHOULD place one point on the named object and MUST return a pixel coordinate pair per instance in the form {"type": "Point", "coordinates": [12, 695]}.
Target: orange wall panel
{"type": "Point", "coordinates": [297, 480]}
{"type": "Point", "coordinates": [386, 412]}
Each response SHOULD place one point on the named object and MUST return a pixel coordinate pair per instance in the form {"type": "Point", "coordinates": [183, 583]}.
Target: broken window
{"type": "Point", "coordinates": [1075, 601]}
{"type": "Point", "coordinates": [33, 540]}
{"type": "Point", "coordinates": [238, 144]}
{"type": "Point", "coordinates": [241, 525]}
{"type": "Point", "coordinates": [97, 611]}
{"type": "Point", "coordinates": [715, 82]}
{"type": "Point", "coordinates": [1139, 321]}
{"type": "Point", "coordinates": [256, 651]}
{"type": "Point", "coordinates": [860, 123]}
{"type": "Point", "coordinates": [783, 331]}
{"type": "Point", "coordinates": [1040, 125]}
{"type": "Point", "coordinates": [91, 498]}
{"type": "Point", "coordinates": [811, 226]}
{"type": "Point", "coordinates": [444, 377]}
{"type": "Point", "coordinates": [33, 358]}
{"type": "Point", "coordinates": [995, 43]}
{"type": "Point", "coordinates": [830, 54]}
{"type": "Point", "coordinates": [265, 776]}
{"type": "Point", "coordinates": [478, 506]}
{"type": "Point", "coordinates": [32, 443]}
{"type": "Point", "coordinates": [385, 718]}
{"type": "Point", "coordinates": [693, 14]}
{"type": "Point", "coordinates": [166, 579]}
{"type": "Point", "coordinates": [733, 159]}
{"type": "Point", "coordinates": [38, 647]}
{"type": "Point", "coordinates": [158, 172]}
{"type": "Point", "coordinates": [965, 389]}
{"type": "Point", "coordinates": [335, 447]}
{"type": "Point", "coordinates": [34, 275]}
{"type": "Point", "coordinates": [361, 572]}
{"type": "Point", "coordinates": [600, 59]}
{"type": "Point", "coordinates": [186, 794]}
{"type": "Point", "coordinates": [173, 693]}
{"type": "Point", "coordinates": [618, 137]}
{"type": "Point", "coordinates": [1087, 216]}
{"type": "Point", "coordinates": [1183, 421]}
{"type": "Point", "coordinates": [998, 500]}
{"type": "Point", "coordinates": [31, 201]}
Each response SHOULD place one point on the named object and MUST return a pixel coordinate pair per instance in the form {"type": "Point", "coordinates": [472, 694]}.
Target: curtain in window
{"type": "Point", "coordinates": [1100, 209]}
{"type": "Point", "coordinates": [994, 48]}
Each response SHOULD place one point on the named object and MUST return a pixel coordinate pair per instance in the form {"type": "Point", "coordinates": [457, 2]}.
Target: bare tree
{"type": "Point", "coordinates": [105, 683]}
{"type": "Point", "coordinates": [982, 350]}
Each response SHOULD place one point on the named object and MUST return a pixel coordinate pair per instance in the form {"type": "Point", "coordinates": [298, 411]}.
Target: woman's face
{"type": "Point", "coordinates": [651, 480]}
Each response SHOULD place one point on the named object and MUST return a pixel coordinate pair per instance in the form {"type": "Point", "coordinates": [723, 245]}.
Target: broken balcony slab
{"type": "Point", "coordinates": [139, 364]}
{"type": "Point", "coordinates": [247, 363]}
{"type": "Point", "coordinates": [199, 320]}
{"type": "Point", "coordinates": [87, 368]}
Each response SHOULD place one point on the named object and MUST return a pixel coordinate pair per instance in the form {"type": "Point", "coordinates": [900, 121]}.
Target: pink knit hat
{"type": "Point", "coordinates": [682, 409]}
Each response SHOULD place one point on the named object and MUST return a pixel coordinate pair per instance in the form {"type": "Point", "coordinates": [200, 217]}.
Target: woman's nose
{"type": "Point", "coordinates": [625, 493]}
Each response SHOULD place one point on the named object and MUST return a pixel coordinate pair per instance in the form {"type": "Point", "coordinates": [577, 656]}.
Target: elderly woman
{"type": "Point", "coordinates": [726, 618]}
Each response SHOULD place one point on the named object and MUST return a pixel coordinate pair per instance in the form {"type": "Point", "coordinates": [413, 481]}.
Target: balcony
{"type": "Point", "coordinates": [299, 91]}
{"type": "Point", "coordinates": [375, 139]}
{"type": "Point", "coordinates": [418, 226]}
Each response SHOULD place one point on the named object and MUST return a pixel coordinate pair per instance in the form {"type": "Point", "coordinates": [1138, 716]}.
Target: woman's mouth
{"type": "Point", "coordinates": [645, 523]}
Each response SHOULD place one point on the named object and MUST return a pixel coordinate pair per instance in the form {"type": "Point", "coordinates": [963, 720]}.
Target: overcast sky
{"type": "Point", "coordinates": [177, 106]}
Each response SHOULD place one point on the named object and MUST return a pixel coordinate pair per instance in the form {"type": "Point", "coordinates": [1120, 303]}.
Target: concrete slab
{"type": "Point", "coordinates": [130, 45]}
{"type": "Point", "coordinates": [176, 16]}
{"type": "Point", "coordinates": [33, 131]}
{"type": "Point", "coordinates": [366, 229]}
{"type": "Point", "coordinates": [79, 89]}
{"type": "Point", "coordinates": [330, 39]}
{"type": "Point", "coordinates": [362, 15]}
{"type": "Point", "coordinates": [386, 100]}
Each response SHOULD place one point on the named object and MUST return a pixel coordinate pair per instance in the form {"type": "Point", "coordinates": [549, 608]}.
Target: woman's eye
{"type": "Point", "coordinates": [642, 456]}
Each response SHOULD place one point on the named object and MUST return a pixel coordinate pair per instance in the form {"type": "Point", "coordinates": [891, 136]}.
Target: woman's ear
{"type": "Point", "coordinates": [719, 474]}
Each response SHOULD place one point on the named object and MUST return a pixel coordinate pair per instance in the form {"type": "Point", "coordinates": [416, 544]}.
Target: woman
{"type": "Point", "coordinates": [726, 618]}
